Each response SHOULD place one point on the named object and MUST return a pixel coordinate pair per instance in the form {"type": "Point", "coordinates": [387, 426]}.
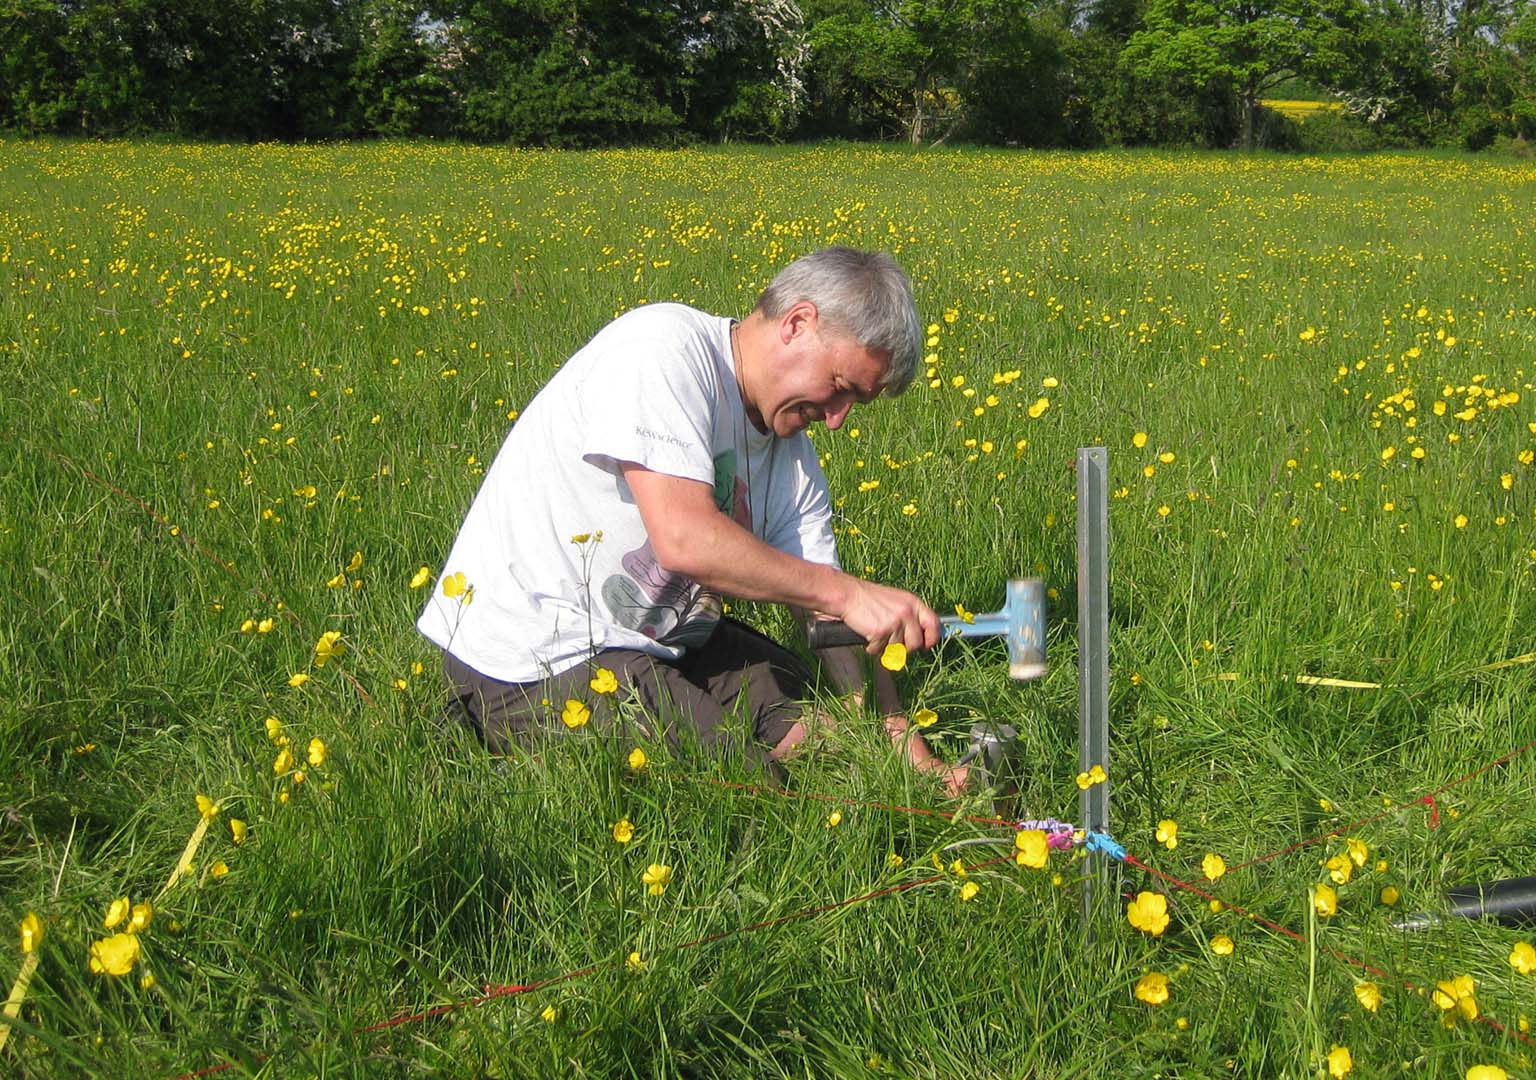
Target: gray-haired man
{"type": "Point", "coordinates": [666, 465]}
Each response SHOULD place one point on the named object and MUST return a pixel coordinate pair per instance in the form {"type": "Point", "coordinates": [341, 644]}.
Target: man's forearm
{"type": "Point", "coordinates": [723, 556]}
{"type": "Point", "coordinates": [690, 536]}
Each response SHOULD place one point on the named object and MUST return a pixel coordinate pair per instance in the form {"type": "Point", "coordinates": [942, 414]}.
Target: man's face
{"type": "Point", "coordinates": [823, 376]}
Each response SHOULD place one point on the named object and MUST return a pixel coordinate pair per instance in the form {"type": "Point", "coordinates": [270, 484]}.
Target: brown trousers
{"type": "Point", "coordinates": [737, 672]}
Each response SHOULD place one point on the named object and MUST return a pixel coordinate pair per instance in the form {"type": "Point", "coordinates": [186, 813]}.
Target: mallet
{"type": "Point", "coordinates": [1020, 622]}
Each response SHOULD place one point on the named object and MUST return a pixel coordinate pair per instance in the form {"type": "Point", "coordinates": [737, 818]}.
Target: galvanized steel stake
{"type": "Point", "coordinates": [1093, 654]}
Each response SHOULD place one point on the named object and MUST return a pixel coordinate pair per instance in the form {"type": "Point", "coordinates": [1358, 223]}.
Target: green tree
{"type": "Point", "coordinates": [395, 84]}
{"type": "Point", "coordinates": [1012, 76]}
{"type": "Point", "coordinates": [553, 72]}
{"type": "Point", "coordinates": [742, 69]}
{"type": "Point", "coordinates": [36, 71]}
{"type": "Point", "coordinates": [1242, 47]}
{"type": "Point", "coordinates": [889, 67]}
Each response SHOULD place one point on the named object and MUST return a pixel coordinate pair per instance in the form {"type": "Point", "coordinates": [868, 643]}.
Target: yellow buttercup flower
{"type": "Point", "coordinates": [31, 932]}
{"type": "Point", "coordinates": [1339, 1062]}
{"type": "Point", "coordinates": [1523, 958]}
{"type": "Point", "coordinates": [1095, 775]}
{"type": "Point", "coordinates": [834, 819]}
{"type": "Point", "coordinates": [315, 754]}
{"type": "Point", "coordinates": [637, 760]}
{"type": "Point", "coordinates": [207, 808]}
{"type": "Point", "coordinates": [1359, 851]}
{"type": "Point", "coordinates": [894, 658]}
{"type": "Point", "coordinates": [139, 917]}
{"type": "Point", "coordinates": [604, 682]}
{"type": "Point", "coordinates": [1222, 945]}
{"type": "Point", "coordinates": [1168, 833]}
{"type": "Point", "coordinates": [968, 891]}
{"type": "Point", "coordinates": [218, 869]}
{"type": "Point", "coordinates": [965, 616]}
{"type": "Point", "coordinates": [237, 830]}
{"type": "Point", "coordinates": [455, 585]}
{"type": "Point", "coordinates": [1325, 901]}
{"type": "Point", "coordinates": [925, 718]}
{"type": "Point", "coordinates": [283, 762]}
{"type": "Point", "coordinates": [549, 1014]}
{"type": "Point", "coordinates": [1455, 996]}
{"type": "Point", "coordinates": [1032, 848]}
{"type": "Point", "coordinates": [656, 878]}
{"type": "Point", "coordinates": [1152, 988]}
{"type": "Point", "coordinates": [1390, 895]}
{"type": "Point", "coordinates": [1148, 913]}
{"type": "Point", "coordinates": [1213, 866]}
{"type": "Point", "coordinates": [114, 955]}
{"type": "Point", "coordinates": [356, 563]}
{"type": "Point", "coordinates": [328, 647]}
{"type": "Point", "coordinates": [575, 714]}
{"type": "Point", "coordinates": [1486, 1072]}
{"type": "Point", "coordinates": [117, 911]}
{"type": "Point", "coordinates": [1139, 439]}
{"type": "Point", "coordinates": [1369, 996]}
{"type": "Point", "coordinates": [634, 961]}
{"type": "Point", "coordinates": [1340, 869]}
{"type": "Point", "coordinates": [298, 679]}
{"type": "Point", "coordinates": [623, 831]}
{"type": "Point", "coordinates": [421, 577]}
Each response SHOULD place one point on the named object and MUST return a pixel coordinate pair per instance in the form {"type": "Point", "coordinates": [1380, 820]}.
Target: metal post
{"type": "Point", "coordinates": [1093, 652]}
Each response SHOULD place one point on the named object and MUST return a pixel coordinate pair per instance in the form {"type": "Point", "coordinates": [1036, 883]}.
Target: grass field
{"type": "Point", "coordinates": [250, 392]}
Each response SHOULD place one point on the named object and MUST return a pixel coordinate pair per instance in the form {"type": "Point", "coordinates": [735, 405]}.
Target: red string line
{"type": "Point", "coordinates": [493, 991]}
{"type": "Point", "coordinates": [1343, 957]}
{"type": "Point", "coordinates": [756, 789]}
{"type": "Point", "coordinates": [1424, 800]}
{"type": "Point", "coordinates": [182, 534]}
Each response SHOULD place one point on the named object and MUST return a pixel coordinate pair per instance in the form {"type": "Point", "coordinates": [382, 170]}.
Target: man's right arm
{"type": "Point", "coordinates": [689, 535]}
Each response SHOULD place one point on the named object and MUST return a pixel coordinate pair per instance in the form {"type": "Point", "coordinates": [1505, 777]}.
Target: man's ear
{"type": "Point", "coordinates": [797, 320]}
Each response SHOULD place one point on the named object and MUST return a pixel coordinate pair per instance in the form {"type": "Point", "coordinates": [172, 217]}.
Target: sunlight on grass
{"type": "Point", "coordinates": [251, 390]}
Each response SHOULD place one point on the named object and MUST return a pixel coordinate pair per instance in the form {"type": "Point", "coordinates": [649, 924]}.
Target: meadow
{"type": "Point", "coordinates": [250, 392]}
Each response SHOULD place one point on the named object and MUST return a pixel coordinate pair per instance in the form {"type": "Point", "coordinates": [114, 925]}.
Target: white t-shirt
{"type": "Point", "coordinates": [656, 387]}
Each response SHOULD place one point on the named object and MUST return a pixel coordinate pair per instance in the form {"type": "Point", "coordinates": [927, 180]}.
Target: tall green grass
{"type": "Point", "coordinates": [185, 326]}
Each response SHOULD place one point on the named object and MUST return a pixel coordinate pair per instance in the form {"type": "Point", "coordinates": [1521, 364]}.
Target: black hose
{"type": "Point", "coordinates": [1512, 903]}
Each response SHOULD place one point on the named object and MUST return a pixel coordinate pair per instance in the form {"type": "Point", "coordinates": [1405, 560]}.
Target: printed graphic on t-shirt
{"type": "Point", "coordinates": [670, 608]}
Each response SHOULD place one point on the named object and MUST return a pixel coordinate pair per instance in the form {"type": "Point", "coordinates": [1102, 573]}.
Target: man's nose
{"type": "Point", "coordinates": [835, 414]}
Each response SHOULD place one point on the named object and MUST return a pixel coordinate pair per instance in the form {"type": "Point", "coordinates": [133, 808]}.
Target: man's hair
{"type": "Point", "coordinates": [863, 294]}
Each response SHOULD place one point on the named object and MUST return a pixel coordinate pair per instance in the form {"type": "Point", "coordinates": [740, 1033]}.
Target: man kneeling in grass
{"type": "Point", "coordinates": [665, 465]}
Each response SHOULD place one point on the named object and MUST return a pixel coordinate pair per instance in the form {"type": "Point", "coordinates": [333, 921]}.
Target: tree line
{"type": "Point", "coordinates": [1048, 73]}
